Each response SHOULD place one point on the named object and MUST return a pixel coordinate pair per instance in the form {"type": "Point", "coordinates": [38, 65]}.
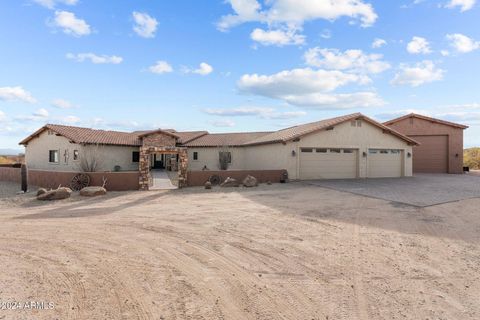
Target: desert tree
{"type": "Point", "coordinates": [224, 156]}
{"type": "Point", "coordinates": [91, 157]}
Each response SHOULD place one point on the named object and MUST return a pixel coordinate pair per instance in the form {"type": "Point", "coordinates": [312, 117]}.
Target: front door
{"type": "Point", "coordinates": [158, 161]}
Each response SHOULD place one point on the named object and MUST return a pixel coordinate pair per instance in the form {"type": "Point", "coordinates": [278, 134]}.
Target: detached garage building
{"type": "Point", "coordinates": [441, 143]}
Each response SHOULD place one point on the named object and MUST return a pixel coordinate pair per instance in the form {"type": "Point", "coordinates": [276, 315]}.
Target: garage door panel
{"type": "Point", "coordinates": [431, 156]}
{"type": "Point", "coordinates": [328, 165]}
{"type": "Point", "coordinates": [385, 165]}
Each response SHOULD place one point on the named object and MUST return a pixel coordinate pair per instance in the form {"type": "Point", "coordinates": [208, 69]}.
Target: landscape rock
{"type": "Point", "coordinates": [208, 185]}
{"type": "Point", "coordinates": [250, 181]}
{"type": "Point", "coordinates": [41, 191]}
{"type": "Point", "coordinates": [93, 191]}
{"type": "Point", "coordinates": [230, 182]}
{"type": "Point", "coordinates": [56, 194]}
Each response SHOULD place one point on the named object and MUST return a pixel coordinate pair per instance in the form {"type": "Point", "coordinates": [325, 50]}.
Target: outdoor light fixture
{"type": "Point", "coordinates": [456, 155]}
{"type": "Point", "coordinates": [294, 153]}
{"type": "Point", "coordinates": [409, 155]}
{"type": "Point", "coordinates": [364, 154]}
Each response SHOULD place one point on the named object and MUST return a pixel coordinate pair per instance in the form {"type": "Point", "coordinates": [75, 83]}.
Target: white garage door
{"type": "Point", "coordinates": [325, 163]}
{"type": "Point", "coordinates": [384, 163]}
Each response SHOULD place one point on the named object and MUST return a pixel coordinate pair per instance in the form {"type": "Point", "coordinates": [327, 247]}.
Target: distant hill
{"type": "Point", "coordinates": [10, 152]}
{"type": "Point", "coordinates": [471, 158]}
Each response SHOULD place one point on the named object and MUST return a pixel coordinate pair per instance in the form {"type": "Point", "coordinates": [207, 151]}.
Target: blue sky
{"type": "Point", "coordinates": [238, 65]}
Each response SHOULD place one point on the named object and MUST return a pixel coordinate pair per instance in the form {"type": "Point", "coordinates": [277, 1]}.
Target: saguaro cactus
{"type": "Point", "coordinates": [24, 172]}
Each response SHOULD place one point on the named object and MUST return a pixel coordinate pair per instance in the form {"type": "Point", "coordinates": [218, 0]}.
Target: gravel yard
{"type": "Point", "coordinates": [285, 251]}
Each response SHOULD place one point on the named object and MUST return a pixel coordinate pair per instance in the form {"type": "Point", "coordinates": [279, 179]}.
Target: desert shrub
{"type": "Point", "coordinates": [471, 158]}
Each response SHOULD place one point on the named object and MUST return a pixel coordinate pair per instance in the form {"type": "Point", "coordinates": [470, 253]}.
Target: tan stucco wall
{"type": "Point", "coordinates": [279, 156]}
{"type": "Point", "coordinates": [209, 157]}
{"type": "Point", "coordinates": [37, 153]}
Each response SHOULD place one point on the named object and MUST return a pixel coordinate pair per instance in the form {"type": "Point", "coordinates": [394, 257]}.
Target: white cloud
{"type": "Point", "coordinates": [378, 43]}
{"type": "Point", "coordinates": [204, 69]}
{"type": "Point", "coordinates": [297, 82]}
{"type": "Point", "coordinates": [161, 67]}
{"type": "Point", "coordinates": [418, 45]}
{"type": "Point", "coordinates": [16, 94]}
{"type": "Point", "coordinates": [41, 113]}
{"type": "Point", "coordinates": [353, 60]}
{"type": "Point", "coordinates": [419, 74]}
{"type": "Point", "coordinates": [62, 104]}
{"type": "Point", "coordinates": [50, 4]}
{"type": "Point", "coordinates": [222, 123]}
{"type": "Point", "coordinates": [70, 24]}
{"type": "Point", "coordinates": [296, 12]}
{"type": "Point", "coordinates": [444, 53]}
{"type": "Point", "coordinates": [326, 34]}
{"type": "Point", "coordinates": [462, 43]}
{"type": "Point", "coordinates": [70, 120]}
{"type": "Point", "coordinates": [145, 26]}
{"type": "Point", "coordinates": [277, 37]}
{"type": "Point", "coordinates": [96, 59]}
{"type": "Point", "coordinates": [3, 116]}
{"type": "Point", "coordinates": [261, 112]}
{"type": "Point", "coordinates": [336, 101]}
{"type": "Point", "coordinates": [307, 87]}
{"type": "Point", "coordinates": [464, 5]}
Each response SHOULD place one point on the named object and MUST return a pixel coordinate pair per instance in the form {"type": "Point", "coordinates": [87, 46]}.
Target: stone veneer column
{"type": "Point", "coordinates": [144, 167]}
{"type": "Point", "coordinates": [182, 168]}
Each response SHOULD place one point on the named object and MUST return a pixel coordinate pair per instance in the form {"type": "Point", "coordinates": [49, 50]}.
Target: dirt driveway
{"type": "Point", "coordinates": [276, 252]}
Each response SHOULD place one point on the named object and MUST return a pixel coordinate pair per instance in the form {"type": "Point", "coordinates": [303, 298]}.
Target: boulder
{"type": "Point", "coordinates": [93, 191]}
{"type": "Point", "coordinates": [56, 194]}
{"type": "Point", "coordinates": [230, 182]}
{"type": "Point", "coordinates": [208, 185]}
{"type": "Point", "coordinates": [250, 181]}
{"type": "Point", "coordinates": [41, 191]}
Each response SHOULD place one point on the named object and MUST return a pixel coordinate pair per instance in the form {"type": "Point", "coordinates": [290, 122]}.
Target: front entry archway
{"type": "Point", "coordinates": [145, 180]}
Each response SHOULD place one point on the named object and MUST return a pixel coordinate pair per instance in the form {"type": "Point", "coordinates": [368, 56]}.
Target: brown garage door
{"type": "Point", "coordinates": [431, 156]}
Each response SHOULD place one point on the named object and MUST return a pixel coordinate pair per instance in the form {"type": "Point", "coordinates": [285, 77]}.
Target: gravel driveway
{"type": "Point", "coordinates": [422, 190]}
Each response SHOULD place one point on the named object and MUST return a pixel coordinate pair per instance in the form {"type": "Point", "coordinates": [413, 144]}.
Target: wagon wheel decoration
{"type": "Point", "coordinates": [80, 181]}
{"type": "Point", "coordinates": [215, 179]}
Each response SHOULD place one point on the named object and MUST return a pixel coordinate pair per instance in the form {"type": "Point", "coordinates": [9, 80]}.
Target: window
{"type": "Point", "coordinates": [53, 156]}
{"type": "Point", "coordinates": [75, 155]}
{"type": "Point", "coordinates": [384, 151]}
{"type": "Point", "coordinates": [321, 150]}
{"type": "Point", "coordinates": [335, 150]}
{"type": "Point", "coordinates": [347, 150]}
{"type": "Point", "coordinates": [306, 149]}
{"type": "Point", "coordinates": [225, 156]}
{"type": "Point", "coordinates": [394, 151]}
{"type": "Point", "coordinates": [356, 123]}
{"type": "Point", "coordinates": [195, 155]}
{"type": "Point", "coordinates": [135, 156]}
{"type": "Point", "coordinates": [373, 151]}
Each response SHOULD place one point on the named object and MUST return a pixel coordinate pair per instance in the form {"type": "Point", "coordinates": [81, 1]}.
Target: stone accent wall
{"type": "Point", "coordinates": [159, 140]}
{"type": "Point", "coordinates": [145, 179]}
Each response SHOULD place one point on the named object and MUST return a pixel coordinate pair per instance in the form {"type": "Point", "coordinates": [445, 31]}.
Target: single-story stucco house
{"type": "Point", "coordinates": [350, 146]}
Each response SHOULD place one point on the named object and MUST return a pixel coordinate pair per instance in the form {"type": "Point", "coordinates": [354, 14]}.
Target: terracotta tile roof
{"type": "Point", "coordinates": [298, 131]}
{"type": "Point", "coordinates": [203, 138]}
{"type": "Point", "coordinates": [90, 136]}
{"type": "Point", "coordinates": [419, 116]}
{"type": "Point", "coordinates": [220, 139]}
{"type": "Point", "coordinates": [187, 136]}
